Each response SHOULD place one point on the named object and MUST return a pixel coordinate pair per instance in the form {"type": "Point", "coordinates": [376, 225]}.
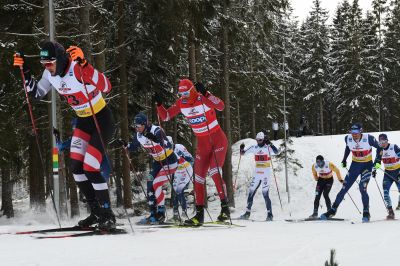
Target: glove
{"type": "Point", "coordinates": [122, 143]}
{"type": "Point", "coordinates": [56, 133]}
{"type": "Point", "coordinates": [76, 54]}
{"type": "Point", "coordinates": [374, 173]}
{"type": "Point", "coordinates": [200, 88]}
{"type": "Point", "coordinates": [344, 164]}
{"type": "Point", "coordinates": [268, 142]}
{"type": "Point", "coordinates": [377, 166]}
{"type": "Point", "coordinates": [242, 146]}
{"type": "Point", "coordinates": [151, 136]}
{"type": "Point", "coordinates": [157, 99]}
{"type": "Point", "coordinates": [341, 181]}
{"type": "Point", "coordinates": [19, 59]}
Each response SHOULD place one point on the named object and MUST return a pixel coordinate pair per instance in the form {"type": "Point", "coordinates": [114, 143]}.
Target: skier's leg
{"type": "Point", "coordinates": [386, 184]}
{"type": "Point", "coordinates": [217, 162]}
{"type": "Point", "coordinates": [265, 191]}
{"type": "Point", "coordinates": [351, 177]}
{"type": "Point", "coordinates": [365, 177]}
{"type": "Point", "coordinates": [327, 188]}
{"type": "Point", "coordinates": [318, 192]}
{"type": "Point", "coordinates": [254, 185]}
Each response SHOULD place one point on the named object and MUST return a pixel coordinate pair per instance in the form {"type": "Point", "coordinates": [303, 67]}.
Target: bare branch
{"type": "Point", "coordinates": [30, 4]}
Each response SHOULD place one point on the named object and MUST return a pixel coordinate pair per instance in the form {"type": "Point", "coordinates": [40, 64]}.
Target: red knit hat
{"type": "Point", "coordinates": [185, 85]}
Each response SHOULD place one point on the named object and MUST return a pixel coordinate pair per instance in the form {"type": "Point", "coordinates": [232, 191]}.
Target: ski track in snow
{"type": "Point", "coordinates": [273, 243]}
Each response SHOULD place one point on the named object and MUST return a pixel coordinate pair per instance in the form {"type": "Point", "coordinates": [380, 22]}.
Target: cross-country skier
{"type": "Point", "coordinates": [198, 106]}
{"type": "Point", "coordinates": [390, 155]}
{"type": "Point", "coordinates": [152, 139]}
{"type": "Point", "coordinates": [360, 144]}
{"type": "Point", "coordinates": [74, 78]}
{"type": "Point", "coordinates": [182, 176]}
{"type": "Point", "coordinates": [262, 172]}
{"type": "Point", "coordinates": [323, 173]}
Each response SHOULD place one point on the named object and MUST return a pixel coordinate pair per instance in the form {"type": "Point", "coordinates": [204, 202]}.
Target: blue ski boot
{"type": "Point", "coordinates": [366, 217]}
{"type": "Point", "coordinates": [245, 216]}
{"type": "Point", "coordinates": [328, 214]}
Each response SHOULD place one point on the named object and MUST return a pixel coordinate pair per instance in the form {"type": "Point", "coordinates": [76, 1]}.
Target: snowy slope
{"type": "Point", "coordinates": [259, 243]}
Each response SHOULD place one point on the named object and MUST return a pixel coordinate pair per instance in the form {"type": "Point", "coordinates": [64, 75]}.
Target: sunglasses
{"type": "Point", "coordinates": [185, 93]}
{"type": "Point", "coordinates": [138, 125]}
{"type": "Point", "coordinates": [383, 142]}
{"type": "Point", "coordinates": [259, 139]}
{"type": "Point", "coordinates": [48, 63]}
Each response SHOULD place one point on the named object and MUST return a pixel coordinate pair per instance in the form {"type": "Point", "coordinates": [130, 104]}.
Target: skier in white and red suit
{"type": "Point", "coordinates": [198, 106]}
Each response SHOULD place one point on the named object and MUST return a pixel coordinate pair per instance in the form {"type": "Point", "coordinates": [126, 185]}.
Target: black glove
{"type": "Point", "coordinates": [341, 181]}
{"type": "Point", "coordinates": [122, 143]}
{"type": "Point", "coordinates": [374, 173]}
{"type": "Point", "coordinates": [242, 146]}
{"type": "Point", "coordinates": [344, 164]}
{"type": "Point", "coordinates": [151, 136]}
{"type": "Point", "coordinates": [200, 88]}
{"type": "Point", "coordinates": [267, 141]}
{"type": "Point", "coordinates": [56, 133]}
{"type": "Point", "coordinates": [157, 99]}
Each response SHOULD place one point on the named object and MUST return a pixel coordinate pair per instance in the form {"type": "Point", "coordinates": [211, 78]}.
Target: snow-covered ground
{"type": "Point", "coordinates": [259, 243]}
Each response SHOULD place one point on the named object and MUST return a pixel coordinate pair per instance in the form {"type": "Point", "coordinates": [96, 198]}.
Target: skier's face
{"type": "Point", "coordinates": [356, 136]}
{"type": "Point", "coordinates": [50, 65]}
{"type": "Point", "coordinates": [139, 128]}
{"type": "Point", "coordinates": [383, 143]}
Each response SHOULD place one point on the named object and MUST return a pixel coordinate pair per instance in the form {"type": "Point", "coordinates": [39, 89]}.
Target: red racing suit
{"type": "Point", "coordinates": [211, 140]}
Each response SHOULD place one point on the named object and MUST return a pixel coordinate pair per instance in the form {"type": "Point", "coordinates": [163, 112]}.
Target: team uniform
{"type": "Point", "coordinates": [262, 175]}
{"type": "Point", "coordinates": [182, 176]}
{"type": "Point", "coordinates": [323, 174]}
{"type": "Point", "coordinates": [211, 140]}
{"type": "Point", "coordinates": [391, 159]}
{"type": "Point", "coordinates": [361, 166]}
{"type": "Point", "coordinates": [86, 150]}
{"type": "Point", "coordinates": [164, 166]}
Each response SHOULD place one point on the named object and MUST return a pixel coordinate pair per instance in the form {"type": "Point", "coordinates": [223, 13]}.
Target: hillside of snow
{"type": "Point", "coordinates": [259, 243]}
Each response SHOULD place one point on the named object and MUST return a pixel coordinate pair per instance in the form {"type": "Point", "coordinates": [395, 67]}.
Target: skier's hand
{"type": "Point", "coordinates": [374, 173]}
{"type": "Point", "coordinates": [151, 136]}
{"type": "Point", "coordinates": [267, 141]}
{"type": "Point", "coordinates": [341, 181]}
{"type": "Point", "coordinates": [201, 88]}
{"type": "Point", "coordinates": [76, 54]}
{"type": "Point", "coordinates": [344, 164]}
{"type": "Point", "coordinates": [122, 143]}
{"type": "Point", "coordinates": [157, 99]}
{"type": "Point", "coordinates": [56, 133]}
{"type": "Point", "coordinates": [377, 165]}
{"type": "Point", "coordinates": [242, 148]}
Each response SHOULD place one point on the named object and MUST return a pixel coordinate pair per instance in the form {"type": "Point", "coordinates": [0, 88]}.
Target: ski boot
{"type": "Point", "coordinates": [314, 215]}
{"type": "Point", "coordinates": [328, 214]}
{"type": "Point", "coordinates": [245, 216]}
{"type": "Point", "coordinates": [94, 216]}
{"type": "Point", "coordinates": [160, 214]}
{"type": "Point", "coordinates": [107, 219]}
{"type": "Point", "coordinates": [151, 219]}
{"type": "Point", "coordinates": [225, 213]}
{"type": "Point", "coordinates": [390, 215]}
{"type": "Point", "coordinates": [366, 217]}
{"type": "Point", "coordinates": [198, 219]}
{"type": "Point", "coordinates": [270, 217]}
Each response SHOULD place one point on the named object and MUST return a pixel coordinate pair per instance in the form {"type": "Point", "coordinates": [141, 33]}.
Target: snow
{"type": "Point", "coordinates": [259, 243]}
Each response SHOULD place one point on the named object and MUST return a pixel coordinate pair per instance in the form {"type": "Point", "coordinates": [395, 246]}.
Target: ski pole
{"type": "Point", "coordinates": [273, 173]}
{"type": "Point", "coordinates": [380, 192]}
{"type": "Point", "coordinates": [213, 150]}
{"type": "Point", "coordinates": [133, 171]}
{"type": "Point", "coordinates": [237, 173]}
{"type": "Point", "coordinates": [389, 175]}
{"type": "Point", "coordinates": [348, 193]}
{"type": "Point", "coordinates": [34, 129]}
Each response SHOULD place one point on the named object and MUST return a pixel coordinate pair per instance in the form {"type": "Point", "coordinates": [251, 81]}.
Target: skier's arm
{"type": "Point", "coordinates": [65, 144]}
{"type": "Point", "coordinates": [37, 89]}
{"type": "Point", "coordinates": [346, 151]}
{"type": "Point", "coordinates": [92, 76]}
{"type": "Point", "coordinates": [378, 157]}
{"type": "Point", "coordinates": [248, 150]}
{"type": "Point", "coordinates": [336, 170]}
{"type": "Point", "coordinates": [134, 145]}
{"type": "Point", "coordinates": [373, 142]}
{"type": "Point", "coordinates": [212, 101]}
{"type": "Point", "coordinates": [167, 114]}
{"type": "Point", "coordinates": [314, 173]}
{"type": "Point", "coordinates": [397, 150]}
{"type": "Point", "coordinates": [274, 150]}
{"type": "Point", "coordinates": [183, 152]}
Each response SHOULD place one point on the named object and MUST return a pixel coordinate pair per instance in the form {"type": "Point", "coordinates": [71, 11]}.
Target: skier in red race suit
{"type": "Point", "coordinates": [198, 106]}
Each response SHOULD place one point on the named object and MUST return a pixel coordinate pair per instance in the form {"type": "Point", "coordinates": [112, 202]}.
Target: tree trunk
{"type": "Point", "coordinates": [6, 193]}
{"type": "Point", "coordinates": [253, 115]}
{"type": "Point", "coordinates": [73, 194]}
{"type": "Point", "coordinates": [117, 175]}
{"type": "Point", "coordinates": [321, 113]}
{"type": "Point", "coordinates": [84, 25]}
{"type": "Point", "coordinates": [227, 169]}
{"type": "Point", "coordinates": [36, 178]}
{"type": "Point", "coordinates": [238, 118]}
{"type": "Point", "coordinates": [124, 103]}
